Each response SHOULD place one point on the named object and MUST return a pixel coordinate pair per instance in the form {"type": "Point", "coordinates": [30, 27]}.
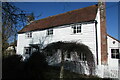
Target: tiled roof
{"type": "Point", "coordinates": [75, 16]}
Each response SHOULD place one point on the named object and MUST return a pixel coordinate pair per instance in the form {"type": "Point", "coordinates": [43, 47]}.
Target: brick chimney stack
{"type": "Point", "coordinates": [102, 9]}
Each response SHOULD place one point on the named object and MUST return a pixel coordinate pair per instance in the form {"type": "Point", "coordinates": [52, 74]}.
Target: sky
{"type": "Point", "coordinates": [45, 9]}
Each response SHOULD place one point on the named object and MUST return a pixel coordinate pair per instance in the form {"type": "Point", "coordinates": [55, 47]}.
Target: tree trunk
{"type": "Point", "coordinates": [62, 66]}
{"type": "Point", "coordinates": [14, 45]}
{"type": "Point", "coordinates": [61, 71]}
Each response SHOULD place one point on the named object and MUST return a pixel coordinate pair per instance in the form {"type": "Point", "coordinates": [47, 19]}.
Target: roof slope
{"type": "Point", "coordinates": [79, 15]}
{"type": "Point", "coordinates": [113, 38]}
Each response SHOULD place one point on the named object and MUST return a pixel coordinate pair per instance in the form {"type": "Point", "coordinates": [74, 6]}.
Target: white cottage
{"type": "Point", "coordinates": [86, 25]}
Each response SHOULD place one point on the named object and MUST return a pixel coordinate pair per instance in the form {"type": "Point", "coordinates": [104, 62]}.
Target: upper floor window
{"type": "Point", "coordinates": [115, 53]}
{"type": "Point", "coordinates": [50, 32]}
{"type": "Point", "coordinates": [76, 28]}
{"type": "Point", "coordinates": [29, 35]}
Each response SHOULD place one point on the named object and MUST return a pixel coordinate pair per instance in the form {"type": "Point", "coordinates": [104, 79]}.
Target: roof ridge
{"type": "Point", "coordinates": [66, 12]}
{"type": "Point", "coordinates": [73, 16]}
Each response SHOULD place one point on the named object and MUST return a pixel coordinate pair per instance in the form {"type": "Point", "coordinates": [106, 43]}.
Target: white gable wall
{"type": "Point", "coordinates": [112, 62]}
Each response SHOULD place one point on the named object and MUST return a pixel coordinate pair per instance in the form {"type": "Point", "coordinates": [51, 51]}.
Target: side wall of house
{"type": "Point", "coordinates": [113, 63]}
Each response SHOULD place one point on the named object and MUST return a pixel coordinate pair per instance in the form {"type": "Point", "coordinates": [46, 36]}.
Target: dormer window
{"type": "Point", "coordinates": [50, 32]}
{"type": "Point", "coordinates": [29, 35]}
{"type": "Point", "coordinates": [76, 28]}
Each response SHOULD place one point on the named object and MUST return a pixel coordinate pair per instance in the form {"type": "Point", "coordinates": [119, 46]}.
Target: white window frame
{"type": "Point", "coordinates": [115, 54]}
{"type": "Point", "coordinates": [28, 35]}
{"type": "Point", "coordinates": [76, 28]}
{"type": "Point", "coordinates": [29, 50]}
{"type": "Point", "coordinates": [50, 32]}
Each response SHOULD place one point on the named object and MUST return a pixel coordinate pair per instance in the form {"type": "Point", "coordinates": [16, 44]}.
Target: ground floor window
{"type": "Point", "coordinates": [27, 50]}
{"type": "Point", "coordinates": [68, 55]}
{"type": "Point", "coordinates": [82, 57]}
{"type": "Point", "coordinates": [115, 53]}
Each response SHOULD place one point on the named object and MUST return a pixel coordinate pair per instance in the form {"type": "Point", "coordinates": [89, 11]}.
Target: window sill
{"type": "Point", "coordinates": [115, 58]}
{"type": "Point", "coordinates": [76, 34]}
{"type": "Point", "coordinates": [28, 38]}
{"type": "Point", "coordinates": [50, 35]}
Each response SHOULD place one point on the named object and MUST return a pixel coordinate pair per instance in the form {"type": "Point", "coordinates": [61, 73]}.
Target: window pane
{"type": "Point", "coordinates": [47, 32]}
{"type": "Point", "coordinates": [117, 56]}
{"type": "Point", "coordinates": [68, 55]}
{"type": "Point", "coordinates": [74, 31]}
{"type": "Point", "coordinates": [50, 32]}
{"type": "Point", "coordinates": [117, 50]}
{"type": "Point", "coordinates": [80, 56]}
{"type": "Point", "coordinates": [74, 27]}
{"type": "Point", "coordinates": [26, 51]}
{"type": "Point", "coordinates": [30, 34]}
{"type": "Point", "coordinates": [84, 57]}
{"type": "Point", "coordinates": [78, 30]}
{"type": "Point", "coordinates": [112, 50]}
{"type": "Point", "coordinates": [113, 55]}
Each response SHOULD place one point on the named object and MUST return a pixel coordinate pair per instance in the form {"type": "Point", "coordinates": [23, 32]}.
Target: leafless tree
{"type": "Point", "coordinates": [13, 19]}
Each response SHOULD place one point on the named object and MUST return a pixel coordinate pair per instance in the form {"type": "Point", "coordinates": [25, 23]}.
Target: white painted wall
{"type": "Point", "coordinates": [99, 67]}
{"type": "Point", "coordinates": [61, 33]}
{"type": "Point", "coordinates": [113, 63]}
{"type": "Point", "coordinates": [98, 36]}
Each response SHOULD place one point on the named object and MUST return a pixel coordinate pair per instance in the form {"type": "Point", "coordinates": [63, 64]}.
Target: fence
{"type": "Point", "coordinates": [110, 72]}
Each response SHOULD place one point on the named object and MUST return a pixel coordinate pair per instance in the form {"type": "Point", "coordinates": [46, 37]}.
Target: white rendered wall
{"type": "Point", "coordinates": [61, 33]}
{"type": "Point", "coordinates": [98, 36]}
{"type": "Point", "coordinates": [113, 63]}
{"type": "Point", "coordinates": [99, 70]}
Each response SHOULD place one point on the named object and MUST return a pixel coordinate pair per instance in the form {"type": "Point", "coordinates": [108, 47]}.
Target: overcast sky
{"type": "Point", "coordinates": [45, 9]}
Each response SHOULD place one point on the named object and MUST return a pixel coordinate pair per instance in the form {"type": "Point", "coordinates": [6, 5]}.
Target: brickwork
{"type": "Point", "coordinates": [103, 33]}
